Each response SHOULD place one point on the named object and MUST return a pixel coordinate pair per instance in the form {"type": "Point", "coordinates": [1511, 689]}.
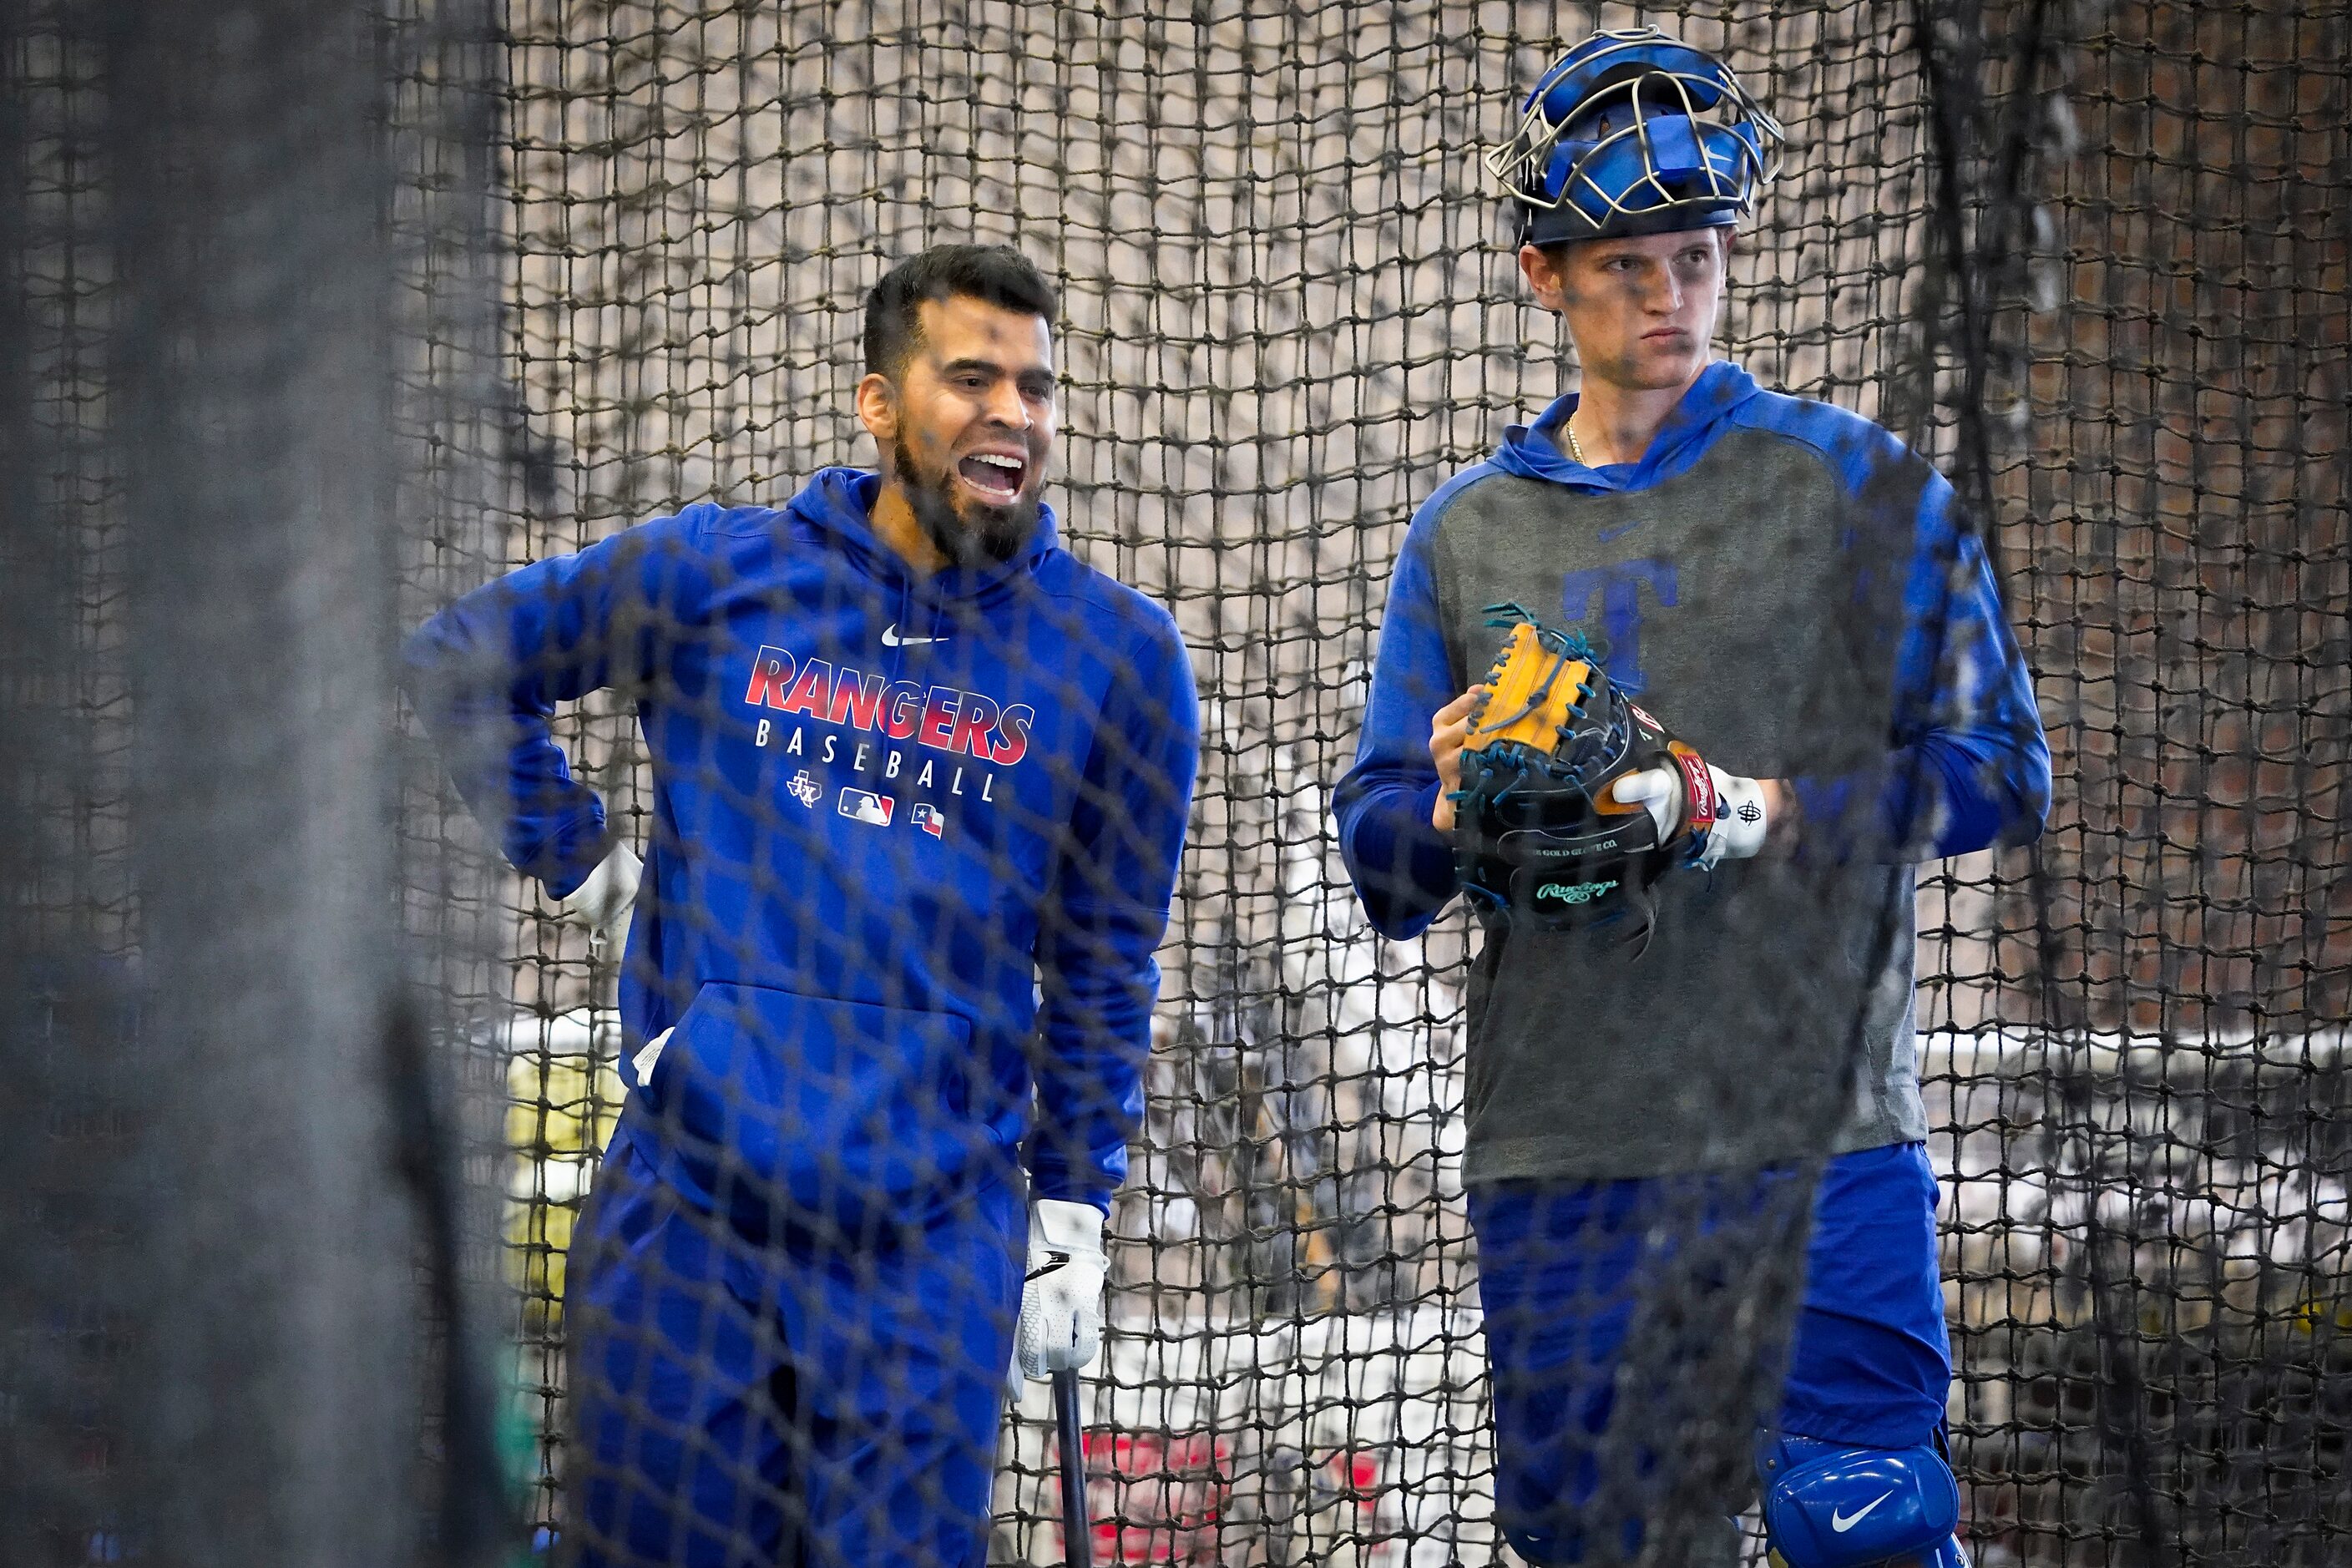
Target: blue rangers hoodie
{"type": "Point", "coordinates": [1787, 587]}
{"type": "Point", "coordinates": [912, 847]}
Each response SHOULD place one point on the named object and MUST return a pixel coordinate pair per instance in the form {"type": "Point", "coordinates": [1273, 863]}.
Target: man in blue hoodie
{"type": "Point", "coordinates": [1791, 591]}
{"type": "Point", "coordinates": [921, 781]}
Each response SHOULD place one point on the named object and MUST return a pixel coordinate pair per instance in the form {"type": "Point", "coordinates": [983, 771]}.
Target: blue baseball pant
{"type": "Point", "coordinates": [812, 1400]}
{"type": "Point", "coordinates": [1611, 1306]}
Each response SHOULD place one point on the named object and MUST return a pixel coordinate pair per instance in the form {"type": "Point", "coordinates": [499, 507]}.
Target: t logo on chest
{"type": "Point", "coordinates": [1617, 589]}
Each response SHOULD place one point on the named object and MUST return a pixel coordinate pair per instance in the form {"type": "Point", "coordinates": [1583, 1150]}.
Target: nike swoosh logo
{"type": "Point", "coordinates": [1842, 1523]}
{"type": "Point", "coordinates": [1606, 534]}
{"type": "Point", "coordinates": [892, 638]}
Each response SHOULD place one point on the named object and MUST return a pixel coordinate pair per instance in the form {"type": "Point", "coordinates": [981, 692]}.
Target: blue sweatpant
{"type": "Point", "coordinates": [1620, 1363]}
{"type": "Point", "coordinates": [810, 1400]}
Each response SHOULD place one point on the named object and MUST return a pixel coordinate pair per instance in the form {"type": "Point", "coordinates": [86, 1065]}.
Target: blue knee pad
{"type": "Point", "coordinates": [1832, 1505]}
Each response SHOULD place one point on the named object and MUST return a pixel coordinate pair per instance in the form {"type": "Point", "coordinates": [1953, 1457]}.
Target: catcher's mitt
{"type": "Point", "coordinates": [1539, 834]}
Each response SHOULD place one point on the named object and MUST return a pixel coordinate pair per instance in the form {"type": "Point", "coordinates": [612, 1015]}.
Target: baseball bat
{"type": "Point", "coordinates": [1077, 1530]}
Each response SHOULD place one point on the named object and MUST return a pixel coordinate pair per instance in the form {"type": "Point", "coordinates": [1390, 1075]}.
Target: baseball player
{"type": "Point", "coordinates": [1784, 589]}
{"type": "Point", "coordinates": [921, 780]}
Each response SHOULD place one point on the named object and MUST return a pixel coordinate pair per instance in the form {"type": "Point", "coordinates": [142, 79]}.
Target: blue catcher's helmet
{"type": "Point", "coordinates": [1633, 131]}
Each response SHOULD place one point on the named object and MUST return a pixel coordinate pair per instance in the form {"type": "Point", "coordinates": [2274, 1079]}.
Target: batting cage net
{"type": "Point", "coordinates": [477, 733]}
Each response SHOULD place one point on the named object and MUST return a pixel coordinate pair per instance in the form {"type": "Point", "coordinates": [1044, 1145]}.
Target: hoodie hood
{"type": "Point", "coordinates": [1528, 450]}
{"type": "Point", "coordinates": [835, 508]}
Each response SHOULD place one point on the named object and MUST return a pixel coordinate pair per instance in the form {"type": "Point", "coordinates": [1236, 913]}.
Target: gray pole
{"type": "Point", "coordinates": [253, 358]}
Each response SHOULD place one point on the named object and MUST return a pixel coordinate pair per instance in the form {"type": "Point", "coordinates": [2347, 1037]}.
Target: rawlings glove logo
{"type": "Point", "coordinates": [1575, 892]}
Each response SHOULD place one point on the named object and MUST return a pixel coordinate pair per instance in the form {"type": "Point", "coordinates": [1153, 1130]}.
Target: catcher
{"type": "Point", "coordinates": [1685, 813]}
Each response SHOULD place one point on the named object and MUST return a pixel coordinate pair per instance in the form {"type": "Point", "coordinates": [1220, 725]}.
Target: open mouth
{"type": "Point", "coordinates": [997, 475]}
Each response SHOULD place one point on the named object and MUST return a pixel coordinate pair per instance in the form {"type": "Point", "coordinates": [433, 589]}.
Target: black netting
{"type": "Point", "coordinates": [319, 318]}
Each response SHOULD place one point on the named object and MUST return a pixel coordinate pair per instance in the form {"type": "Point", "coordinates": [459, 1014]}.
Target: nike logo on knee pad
{"type": "Point", "coordinates": [1842, 1523]}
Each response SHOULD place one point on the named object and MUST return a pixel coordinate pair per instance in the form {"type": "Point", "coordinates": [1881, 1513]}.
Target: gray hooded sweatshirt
{"type": "Point", "coordinates": [1788, 589]}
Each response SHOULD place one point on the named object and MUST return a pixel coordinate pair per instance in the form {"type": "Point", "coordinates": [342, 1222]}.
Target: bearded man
{"type": "Point", "coordinates": [919, 784]}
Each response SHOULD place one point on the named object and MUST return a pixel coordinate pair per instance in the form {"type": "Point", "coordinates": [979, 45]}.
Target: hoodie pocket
{"type": "Point", "coordinates": [841, 1111]}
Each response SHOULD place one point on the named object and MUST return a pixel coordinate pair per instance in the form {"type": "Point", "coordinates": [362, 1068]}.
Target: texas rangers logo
{"type": "Point", "coordinates": [918, 737]}
{"type": "Point", "coordinates": [927, 818]}
{"type": "Point", "coordinates": [943, 719]}
{"type": "Point", "coordinates": [865, 806]}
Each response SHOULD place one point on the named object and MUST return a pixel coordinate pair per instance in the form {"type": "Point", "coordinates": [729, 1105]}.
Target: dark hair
{"type": "Point", "coordinates": [996, 274]}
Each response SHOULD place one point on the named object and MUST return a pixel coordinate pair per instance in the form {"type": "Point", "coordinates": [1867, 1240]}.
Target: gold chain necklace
{"type": "Point", "coordinates": [1574, 450]}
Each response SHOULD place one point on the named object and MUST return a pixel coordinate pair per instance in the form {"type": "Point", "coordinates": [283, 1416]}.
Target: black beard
{"type": "Point", "coordinates": [989, 534]}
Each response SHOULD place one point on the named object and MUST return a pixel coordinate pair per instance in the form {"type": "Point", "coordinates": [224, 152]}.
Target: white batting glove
{"type": "Point", "coordinates": [1740, 819]}
{"type": "Point", "coordinates": [600, 906]}
{"type": "Point", "coordinates": [1062, 1302]}
{"type": "Point", "coordinates": [1739, 815]}
{"type": "Point", "coordinates": [1660, 791]}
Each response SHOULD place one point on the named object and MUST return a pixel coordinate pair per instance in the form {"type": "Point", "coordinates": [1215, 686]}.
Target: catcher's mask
{"type": "Point", "coordinates": [1634, 131]}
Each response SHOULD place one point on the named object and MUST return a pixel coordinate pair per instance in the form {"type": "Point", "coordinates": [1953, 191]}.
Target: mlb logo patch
{"type": "Point", "coordinates": [865, 806]}
{"type": "Point", "coordinates": [927, 818]}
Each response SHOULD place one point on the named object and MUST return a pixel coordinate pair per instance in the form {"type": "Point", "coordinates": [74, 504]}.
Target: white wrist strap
{"type": "Point", "coordinates": [1060, 1225]}
{"type": "Point", "coordinates": [1740, 819]}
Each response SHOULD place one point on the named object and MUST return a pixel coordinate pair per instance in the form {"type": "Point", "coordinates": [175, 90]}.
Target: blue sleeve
{"type": "Point", "coordinates": [1967, 767]}
{"type": "Point", "coordinates": [1104, 919]}
{"type": "Point", "coordinates": [1401, 866]}
{"type": "Point", "coordinates": [485, 675]}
